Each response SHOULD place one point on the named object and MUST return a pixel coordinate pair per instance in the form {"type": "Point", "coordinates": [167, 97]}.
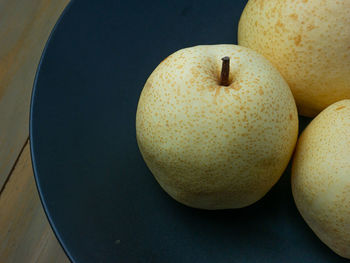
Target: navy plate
{"type": "Point", "coordinates": [101, 200]}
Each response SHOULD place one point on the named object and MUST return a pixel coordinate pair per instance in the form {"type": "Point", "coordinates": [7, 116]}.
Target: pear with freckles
{"type": "Point", "coordinates": [321, 176]}
{"type": "Point", "coordinates": [216, 125]}
{"type": "Point", "coordinates": [308, 41]}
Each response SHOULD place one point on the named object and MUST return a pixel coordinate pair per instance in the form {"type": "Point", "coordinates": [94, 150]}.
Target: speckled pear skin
{"type": "Point", "coordinates": [212, 146]}
{"type": "Point", "coordinates": [308, 41]}
{"type": "Point", "coordinates": [321, 176]}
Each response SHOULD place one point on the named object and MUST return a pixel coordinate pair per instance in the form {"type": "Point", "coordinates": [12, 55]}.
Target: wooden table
{"type": "Point", "coordinates": [25, 235]}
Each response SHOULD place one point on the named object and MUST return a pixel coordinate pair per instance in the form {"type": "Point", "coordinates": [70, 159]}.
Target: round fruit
{"type": "Point", "coordinates": [309, 43]}
{"type": "Point", "coordinates": [321, 176]}
{"type": "Point", "coordinates": [216, 138]}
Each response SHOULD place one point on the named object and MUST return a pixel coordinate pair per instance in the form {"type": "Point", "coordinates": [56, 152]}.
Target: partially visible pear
{"type": "Point", "coordinates": [216, 134]}
{"type": "Point", "coordinates": [321, 176]}
{"type": "Point", "coordinates": [309, 43]}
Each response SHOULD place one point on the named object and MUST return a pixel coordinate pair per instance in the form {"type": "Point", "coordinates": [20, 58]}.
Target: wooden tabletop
{"type": "Point", "coordinates": [25, 235]}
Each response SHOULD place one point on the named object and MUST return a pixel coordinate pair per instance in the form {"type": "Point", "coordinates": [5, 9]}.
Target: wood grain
{"type": "Point", "coordinates": [24, 29]}
{"type": "Point", "coordinates": [25, 235]}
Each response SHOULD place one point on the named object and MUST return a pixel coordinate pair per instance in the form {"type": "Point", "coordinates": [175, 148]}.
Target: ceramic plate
{"type": "Point", "coordinates": [101, 200]}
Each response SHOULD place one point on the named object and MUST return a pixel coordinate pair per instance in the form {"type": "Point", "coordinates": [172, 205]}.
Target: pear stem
{"type": "Point", "coordinates": [225, 72]}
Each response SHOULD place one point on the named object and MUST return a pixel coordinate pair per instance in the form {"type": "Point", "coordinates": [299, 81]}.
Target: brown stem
{"type": "Point", "coordinates": [225, 72]}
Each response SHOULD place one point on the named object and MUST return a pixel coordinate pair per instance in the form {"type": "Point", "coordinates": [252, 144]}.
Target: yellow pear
{"type": "Point", "coordinates": [321, 176]}
{"type": "Point", "coordinates": [309, 43]}
{"type": "Point", "coordinates": [216, 125]}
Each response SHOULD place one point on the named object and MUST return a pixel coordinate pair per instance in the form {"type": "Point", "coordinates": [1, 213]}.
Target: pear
{"type": "Point", "coordinates": [216, 125]}
{"type": "Point", "coordinates": [321, 176]}
{"type": "Point", "coordinates": [308, 41]}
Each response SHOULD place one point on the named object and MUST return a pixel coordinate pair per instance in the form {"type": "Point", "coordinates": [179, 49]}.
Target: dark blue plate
{"type": "Point", "coordinates": [101, 200]}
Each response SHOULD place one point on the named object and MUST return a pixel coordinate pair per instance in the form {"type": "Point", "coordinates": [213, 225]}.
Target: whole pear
{"type": "Point", "coordinates": [309, 43]}
{"type": "Point", "coordinates": [321, 176]}
{"type": "Point", "coordinates": [216, 125]}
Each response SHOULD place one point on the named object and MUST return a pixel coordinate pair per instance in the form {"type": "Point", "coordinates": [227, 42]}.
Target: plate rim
{"type": "Point", "coordinates": [32, 140]}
